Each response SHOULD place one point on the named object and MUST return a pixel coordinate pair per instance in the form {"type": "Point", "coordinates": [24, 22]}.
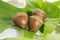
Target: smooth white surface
{"type": "Point", "coordinates": [54, 32]}
{"type": "Point", "coordinates": [50, 0]}
{"type": "Point", "coordinates": [17, 3]}
{"type": "Point", "coordinates": [8, 33]}
{"type": "Point", "coordinates": [5, 0]}
{"type": "Point", "coordinates": [38, 33]}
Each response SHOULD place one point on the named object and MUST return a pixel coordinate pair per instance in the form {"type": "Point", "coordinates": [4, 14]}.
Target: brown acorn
{"type": "Point", "coordinates": [21, 19]}
{"type": "Point", "coordinates": [35, 22]}
{"type": "Point", "coordinates": [40, 13]}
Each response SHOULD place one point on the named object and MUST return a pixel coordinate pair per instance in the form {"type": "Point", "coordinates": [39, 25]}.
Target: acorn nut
{"type": "Point", "coordinates": [21, 19]}
{"type": "Point", "coordinates": [40, 13]}
{"type": "Point", "coordinates": [35, 22]}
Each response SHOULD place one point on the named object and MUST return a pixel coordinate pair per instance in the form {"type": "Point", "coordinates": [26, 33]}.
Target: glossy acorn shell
{"type": "Point", "coordinates": [35, 23]}
{"type": "Point", "coordinates": [21, 19]}
{"type": "Point", "coordinates": [39, 13]}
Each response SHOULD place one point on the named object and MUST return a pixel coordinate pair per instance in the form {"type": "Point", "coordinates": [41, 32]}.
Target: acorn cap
{"type": "Point", "coordinates": [21, 14]}
{"type": "Point", "coordinates": [37, 18]}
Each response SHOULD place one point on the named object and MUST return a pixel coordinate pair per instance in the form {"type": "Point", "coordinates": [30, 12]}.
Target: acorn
{"type": "Point", "coordinates": [35, 23]}
{"type": "Point", "coordinates": [21, 19]}
{"type": "Point", "coordinates": [39, 13]}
